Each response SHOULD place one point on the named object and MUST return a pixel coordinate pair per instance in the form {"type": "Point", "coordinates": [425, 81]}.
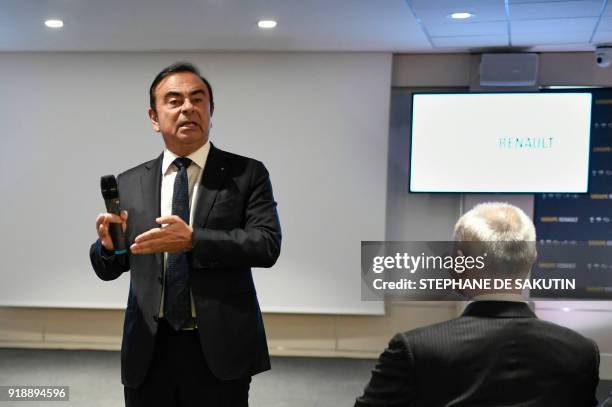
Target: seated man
{"type": "Point", "coordinates": [497, 353]}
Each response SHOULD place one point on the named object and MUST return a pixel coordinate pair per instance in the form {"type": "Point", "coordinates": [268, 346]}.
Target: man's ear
{"type": "Point", "coordinates": [153, 117]}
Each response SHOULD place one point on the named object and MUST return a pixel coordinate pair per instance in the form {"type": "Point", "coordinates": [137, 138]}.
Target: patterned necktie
{"type": "Point", "coordinates": [177, 309]}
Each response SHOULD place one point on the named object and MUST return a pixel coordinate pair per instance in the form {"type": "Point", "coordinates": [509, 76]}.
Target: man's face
{"type": "Point", "coordinates": [183, 112]}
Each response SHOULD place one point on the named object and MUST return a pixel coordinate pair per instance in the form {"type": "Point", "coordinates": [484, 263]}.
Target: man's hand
{"type": "Point", "coordinates": [102, 222]}
{"type": "Point", "coordinates": [175, 236]}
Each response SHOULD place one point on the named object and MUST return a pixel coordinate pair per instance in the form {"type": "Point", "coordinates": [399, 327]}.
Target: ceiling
{"type": "Point", "coordinates": [410, 26]}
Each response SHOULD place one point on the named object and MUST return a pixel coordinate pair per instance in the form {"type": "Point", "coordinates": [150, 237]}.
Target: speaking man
{"type": "Point", "coordinates": [196, 220]}
{"type": "Point", "coordinates": [497, 353]}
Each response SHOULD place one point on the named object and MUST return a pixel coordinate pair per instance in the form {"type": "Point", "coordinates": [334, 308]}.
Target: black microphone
{"type": "Point", "coordinates": [110, 192]}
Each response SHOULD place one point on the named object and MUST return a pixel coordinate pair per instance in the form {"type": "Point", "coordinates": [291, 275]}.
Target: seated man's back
{"type": "Point", "coordinates": [497, 353]}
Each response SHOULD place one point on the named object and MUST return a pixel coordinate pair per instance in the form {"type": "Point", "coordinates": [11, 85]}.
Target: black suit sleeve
{"type": "Point", "coordinates": [392, 382]}
{"type": "Point", "coordinates": [106, 264]}
{"type": "Point", "coordinates": [255, 245]}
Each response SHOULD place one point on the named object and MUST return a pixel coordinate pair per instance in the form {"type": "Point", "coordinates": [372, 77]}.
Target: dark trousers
{"type": "Point", "coordinates": [179, 376]}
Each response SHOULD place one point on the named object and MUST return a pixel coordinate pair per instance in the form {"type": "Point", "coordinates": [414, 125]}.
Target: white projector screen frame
{"type": "Point", "coordinates": [500, 142]}
{"type": "Point", "coordinates": [319, 121]}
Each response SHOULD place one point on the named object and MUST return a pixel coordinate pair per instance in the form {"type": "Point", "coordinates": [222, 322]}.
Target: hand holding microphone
{"type": "Point", "coordinates": [175, 237]}
{"type": "Point", "coordinates": [103, 223]}
{"type": "Point", "coordinates": [111, 225]}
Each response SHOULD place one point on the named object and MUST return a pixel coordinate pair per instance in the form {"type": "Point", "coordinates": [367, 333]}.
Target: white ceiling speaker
{"type": "Point", "coordinates": [509, 69]}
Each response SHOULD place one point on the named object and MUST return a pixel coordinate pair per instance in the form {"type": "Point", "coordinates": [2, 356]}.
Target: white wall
{"type": "Point", "coordinates": [319, 121]}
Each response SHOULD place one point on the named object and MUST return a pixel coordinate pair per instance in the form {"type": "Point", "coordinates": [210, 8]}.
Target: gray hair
{"type": "Point", "coordinates": [503, 231]}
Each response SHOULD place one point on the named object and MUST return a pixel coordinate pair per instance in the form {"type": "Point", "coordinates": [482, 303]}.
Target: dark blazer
{"type": "Point", "coordinates": [236, 227]}
{"type": "Point", "coordinates": [495, 354]}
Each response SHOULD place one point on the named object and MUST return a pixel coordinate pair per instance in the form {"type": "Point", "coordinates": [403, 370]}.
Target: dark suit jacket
{"type": "Point", "coordinates": [495, 354]}
{"type": "Point", "coordinates": [236, 227]}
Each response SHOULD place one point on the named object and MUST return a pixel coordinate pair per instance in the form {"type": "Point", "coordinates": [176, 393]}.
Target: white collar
{"type": "Point", "coordinates": [198, 157]}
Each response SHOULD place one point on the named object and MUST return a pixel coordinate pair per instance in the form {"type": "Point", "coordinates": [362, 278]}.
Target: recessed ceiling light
{"type": "Point", "coordinates": [461, 15]}
{"type": "Point", "coordinates": [54, 23]}
{"type": "Point", "coordinates": [266, 24]}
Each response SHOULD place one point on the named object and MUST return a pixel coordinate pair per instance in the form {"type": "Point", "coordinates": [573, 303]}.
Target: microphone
{"type": "Point", "coordinates": [110, 193]}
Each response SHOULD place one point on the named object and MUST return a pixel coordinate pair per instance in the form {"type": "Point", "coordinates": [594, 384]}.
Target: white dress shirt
{"type": "Point", "coordinates": [194, 176]}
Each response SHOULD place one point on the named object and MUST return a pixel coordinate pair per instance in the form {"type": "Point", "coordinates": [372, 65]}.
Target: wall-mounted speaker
{"type": "Point", "coordinates": [509, 69]}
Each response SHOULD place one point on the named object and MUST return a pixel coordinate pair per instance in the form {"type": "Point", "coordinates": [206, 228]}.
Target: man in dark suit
{"type": "Point", "coordinates": [196, 220]}
{"type": "Point", "coordinates": [497, 353]}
